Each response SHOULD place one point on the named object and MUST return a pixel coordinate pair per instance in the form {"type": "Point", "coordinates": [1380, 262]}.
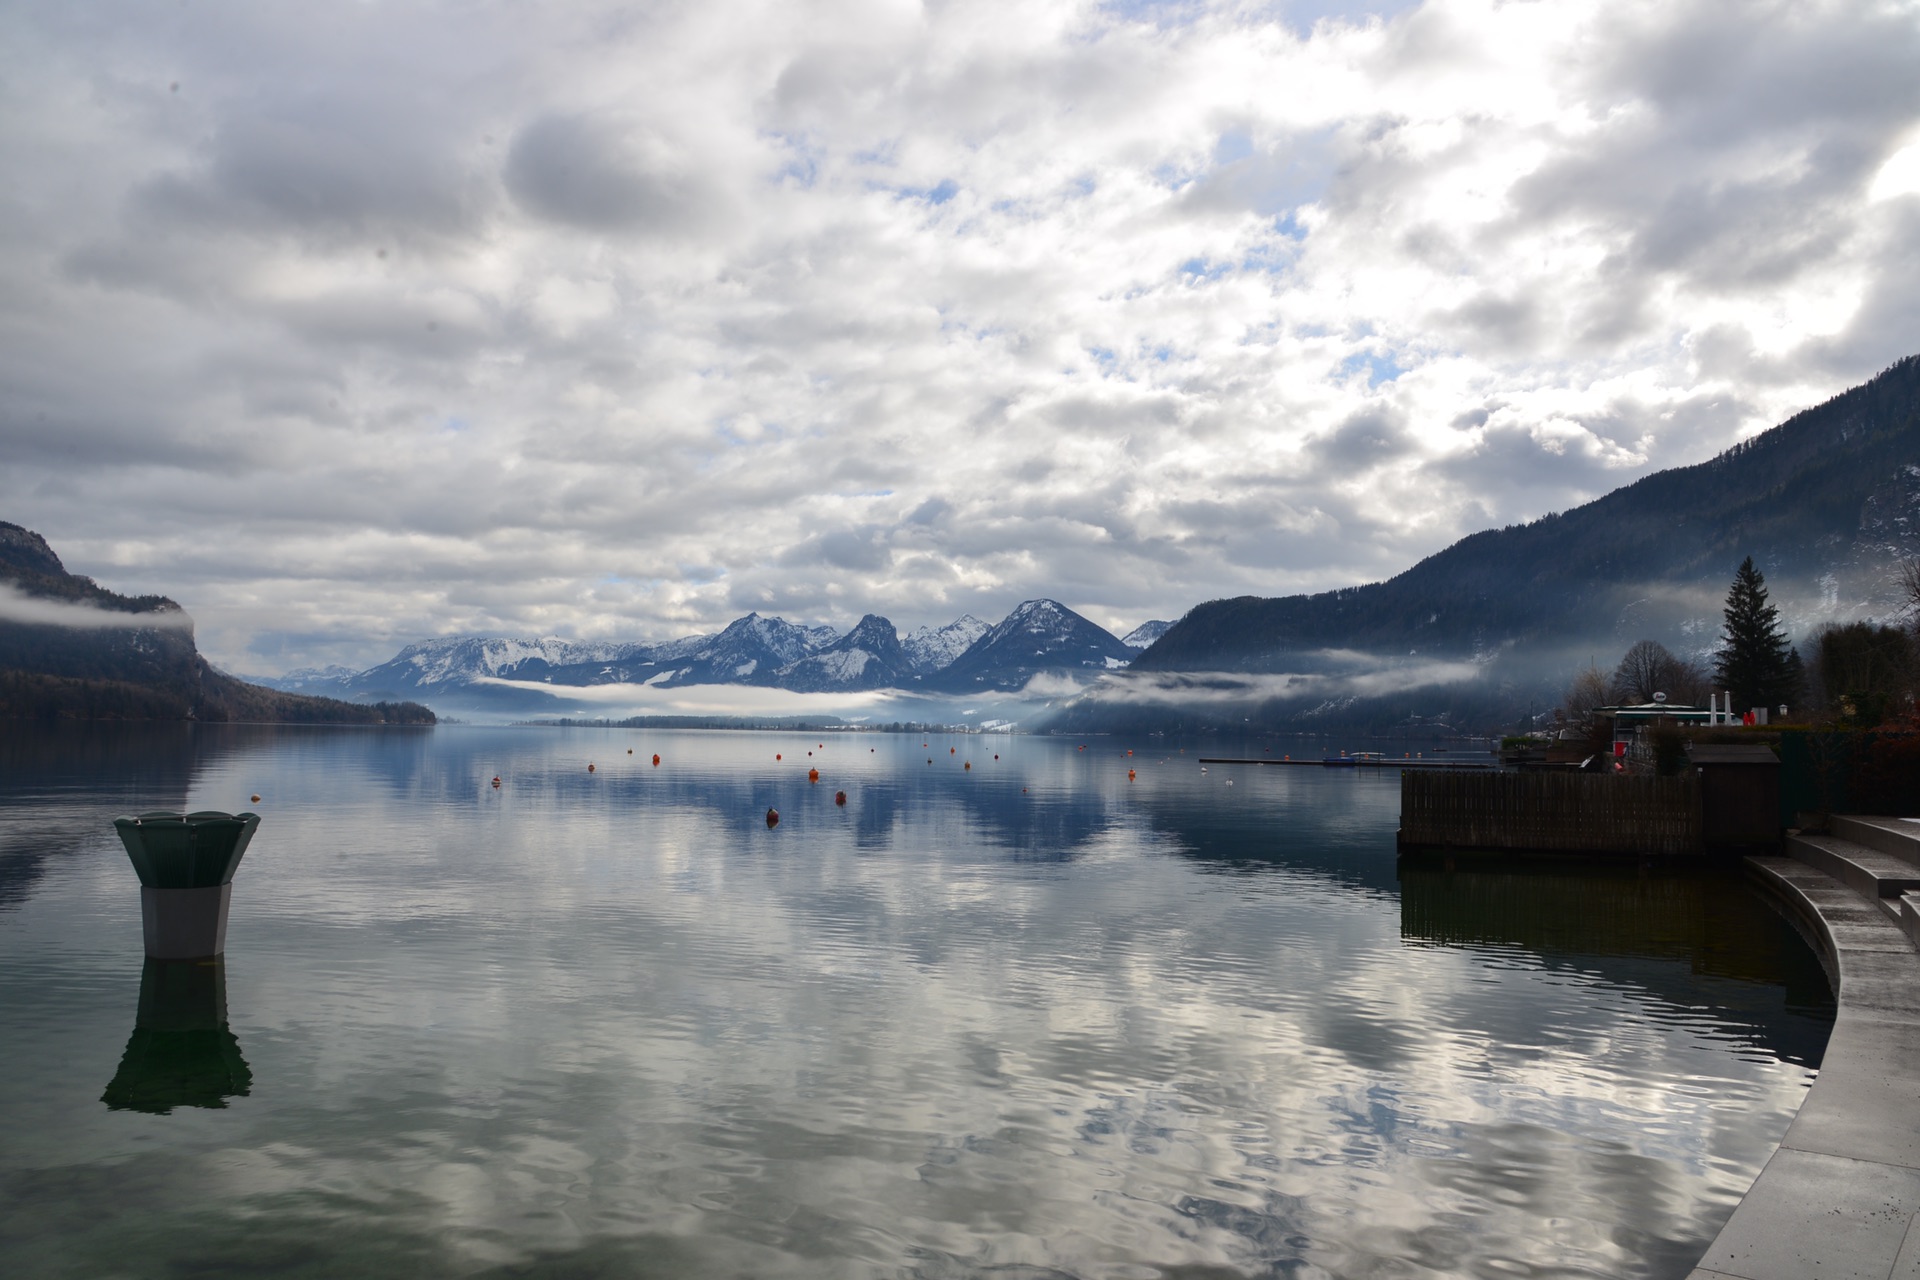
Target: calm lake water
{"type": "Point", "coordinates": [1024, 1019]}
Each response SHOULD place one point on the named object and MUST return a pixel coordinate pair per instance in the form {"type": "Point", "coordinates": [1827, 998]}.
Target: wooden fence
{"type": "Point", "coordinates": [1550, 812]}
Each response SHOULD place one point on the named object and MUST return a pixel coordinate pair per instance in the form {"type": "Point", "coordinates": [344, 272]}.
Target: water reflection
{"type": "Point", "coordinates": [1657, 930]}
{"type": "Point", "coordinates": [1025, 1019]}
{"type": "Point", "coordinates": [181, 1053]}
{"type": "Point", "coordinates": [63, 781]}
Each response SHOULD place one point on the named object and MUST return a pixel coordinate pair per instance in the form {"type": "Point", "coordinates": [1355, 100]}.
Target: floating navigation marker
{"type": "Point", "coordinates": [186, 862]}
{"type": "Point", "coordinates": [589, 768]}
{"type": "Point", "coordinates": [656, 757]}
{"type": "Point", "coordinates": [773, 818]}
{"type": "Point", "coordinates": [813, 775]}
{"type": "Point", "coordinates": [255, 800]}
{"type": "Point", "coordinates": [496, 782]}
{"type": "Point", "coordinates": [967, 765]}
{"type": "Point", "coordinates": [840, 797]}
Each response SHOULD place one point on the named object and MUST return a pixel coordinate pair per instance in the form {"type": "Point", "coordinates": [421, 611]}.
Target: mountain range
{"type": "Point", "coordinates": [1827, 504]}
{"type": "Point", "coordinates": [1039, 638]}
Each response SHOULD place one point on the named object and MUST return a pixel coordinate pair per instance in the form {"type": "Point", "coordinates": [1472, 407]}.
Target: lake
{"type": "Point", "coordinates": [1004, 1013]}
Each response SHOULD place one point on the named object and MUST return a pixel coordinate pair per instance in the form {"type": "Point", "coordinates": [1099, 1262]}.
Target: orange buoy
{"type": "Point", "coordinates": [1129, 753]}
{"type": "Point", "coordinates": [952, 750]}
{"type": "Point", "coordinates": [773, 817]}
{"type": "Point", "coordinates": [839, 797]}
{"type": "Point", "coordinates": [1129, 775]}
{"type": "Point", "coordinates": [813, 775]}
{"type": "Point", "coordinates": [656, 757]}
{"type": "Point", "coordinates": [256, 800]}
{"type": "Point", "coordinates": [967, 765]}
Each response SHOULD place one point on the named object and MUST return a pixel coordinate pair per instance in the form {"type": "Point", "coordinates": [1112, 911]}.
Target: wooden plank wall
{"type": "Point", "coordinates": [1550, 812]}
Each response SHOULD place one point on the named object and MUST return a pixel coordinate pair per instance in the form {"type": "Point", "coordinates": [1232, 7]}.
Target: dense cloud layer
{"type": "Point", "coordinates": [349, 325]}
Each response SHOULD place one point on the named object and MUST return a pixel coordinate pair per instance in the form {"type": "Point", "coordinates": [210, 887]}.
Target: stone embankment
{"type": "Point", "coordinates": [1840, 1196]}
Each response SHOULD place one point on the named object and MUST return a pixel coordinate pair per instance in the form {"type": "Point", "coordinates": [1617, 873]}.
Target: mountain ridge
{"type": "Point", "coordinates": [73, 649]}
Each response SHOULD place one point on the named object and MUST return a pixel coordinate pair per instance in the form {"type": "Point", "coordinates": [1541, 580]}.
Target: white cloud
{"type": "Point", "coordinates": [391, 322]}
{"type": "Point", "coordinates": [17, 606]}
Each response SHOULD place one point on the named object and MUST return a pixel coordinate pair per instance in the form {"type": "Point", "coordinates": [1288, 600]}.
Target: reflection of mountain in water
{"type": "Point", "coordinates": [1663, 933]}
{"type": "Point", "coordinates": [114, 768]}
{"type": "Point", "coordinates": [181, 1053]}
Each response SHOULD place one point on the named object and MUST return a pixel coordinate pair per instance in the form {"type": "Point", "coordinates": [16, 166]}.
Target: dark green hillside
{"type": "Point", "coordinates": [1834, 492]}
{"type": "Point", "coordinates": [57, 661]}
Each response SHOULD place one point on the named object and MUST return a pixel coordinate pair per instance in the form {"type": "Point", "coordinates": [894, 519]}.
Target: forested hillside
{"type": "Point", "coordinates": [71, 648]}
{"type": "Point", "coordinates": [1825, 503]}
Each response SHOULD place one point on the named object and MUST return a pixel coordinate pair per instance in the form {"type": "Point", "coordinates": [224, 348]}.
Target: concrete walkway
{"type": "Point", "coordinates": [1839, 1197]}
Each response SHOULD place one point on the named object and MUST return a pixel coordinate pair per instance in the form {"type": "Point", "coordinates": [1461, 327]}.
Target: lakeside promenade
{"type": "Point", "coordinates": [1838, 1200]}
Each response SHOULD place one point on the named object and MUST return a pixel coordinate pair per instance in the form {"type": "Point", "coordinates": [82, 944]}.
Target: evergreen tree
{"type": "Point", "coordinates": [1756, 663]}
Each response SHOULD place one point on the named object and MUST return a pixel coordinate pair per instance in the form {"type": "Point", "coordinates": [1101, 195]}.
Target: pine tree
{"type": "Point", "coordinates": [1756, 662]}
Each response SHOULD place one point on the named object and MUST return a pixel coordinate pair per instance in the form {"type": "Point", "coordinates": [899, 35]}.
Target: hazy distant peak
{"type": "Point", "coordinates": [1145, 634]}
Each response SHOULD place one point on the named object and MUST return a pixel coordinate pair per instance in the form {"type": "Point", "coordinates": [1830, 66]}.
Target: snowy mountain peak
{"type": "Point", "coordinates": [1145, 634]}
{"type": "Point", "coordinates": [934, 649]}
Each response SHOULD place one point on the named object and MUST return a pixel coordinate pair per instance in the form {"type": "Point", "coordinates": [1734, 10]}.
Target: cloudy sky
{"type": "Point", "coordinates": [353, 324]}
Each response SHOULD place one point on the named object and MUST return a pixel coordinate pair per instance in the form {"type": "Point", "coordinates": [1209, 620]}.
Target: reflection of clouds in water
{"type": "Point", "coordinates": [534, 1021]}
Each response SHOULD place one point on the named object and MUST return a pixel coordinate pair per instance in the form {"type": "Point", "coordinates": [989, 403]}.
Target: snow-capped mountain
{"type": "Point", "coordinates": [932, 649]}
{"type": "Point", "coordinates": [1143, 636]}
{"type": "Point", "coordinates": [868, 657]}
{"type": "Point", "coordinates": [1038, 636]}
{"type": "Point", "coordinates": [748, 651]}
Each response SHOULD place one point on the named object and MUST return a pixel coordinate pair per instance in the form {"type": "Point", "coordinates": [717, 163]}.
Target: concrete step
{"type": "Point", "coordinates": [1910, 916]}
{"type": "Point", "coordinates": [1865, 870]}
{"type": "Point", "coordinates": [1897, 837]}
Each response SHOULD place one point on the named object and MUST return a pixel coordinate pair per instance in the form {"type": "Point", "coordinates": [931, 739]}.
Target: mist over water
{"type": "Point", "coordinates": [1021, 1018]}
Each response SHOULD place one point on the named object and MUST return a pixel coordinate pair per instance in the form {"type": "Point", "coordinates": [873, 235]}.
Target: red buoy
{"type": "Point", "coordinates": [656, 757]}
{"type": "Point", "coordinates": [773, 817]}
{"type": "Point", "coordinates": [589, 768]}
{"type": "Point", "coordinates": [496, 784]}
{"type": "Point", "coordinates": [967, 765]}
{"type": "Point", "coordinates": [839, 797]}
{"type": "Point", "coordinates": [776, 755]}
